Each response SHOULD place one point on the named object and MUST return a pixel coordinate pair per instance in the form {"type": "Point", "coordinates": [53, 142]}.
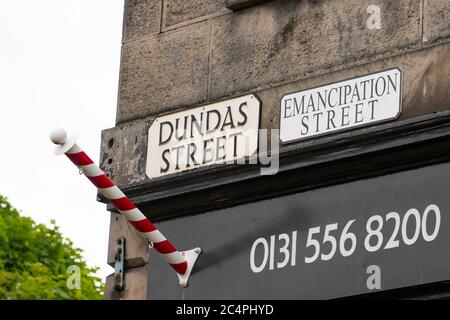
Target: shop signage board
{"type": "Point", "coordinates": [342, 105]}
{"type": "Point", "coordinates": [217, 133]}
{"type": "Point", "coordinates": [365, 236]}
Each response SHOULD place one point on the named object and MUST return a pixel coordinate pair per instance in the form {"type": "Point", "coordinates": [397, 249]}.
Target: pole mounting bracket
{"type": "Point", "coordinates": [191, 257]}
{"type": "Point", "coordinates": [119, 265]}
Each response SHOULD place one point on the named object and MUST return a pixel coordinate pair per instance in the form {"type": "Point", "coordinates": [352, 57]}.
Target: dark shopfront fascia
{"type": "Point", "coordinates": [379, 151]}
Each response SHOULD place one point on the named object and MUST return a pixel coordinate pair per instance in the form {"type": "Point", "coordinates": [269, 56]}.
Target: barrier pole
{"type": "Point", "coordinates": [181, 262]}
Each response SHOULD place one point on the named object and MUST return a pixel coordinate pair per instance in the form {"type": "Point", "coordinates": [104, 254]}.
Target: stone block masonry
{"type": "Point", "coordinates": [180, 54]}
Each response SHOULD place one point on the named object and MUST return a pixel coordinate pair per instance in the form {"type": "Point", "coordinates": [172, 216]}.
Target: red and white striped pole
{"type": "Point", "coordinates": [181, 262]}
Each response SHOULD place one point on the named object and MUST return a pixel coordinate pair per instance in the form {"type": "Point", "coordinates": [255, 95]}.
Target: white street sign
{"type": "Point", "coordinates": [222, 132]}
{"type": "Point", "coordinates": [341, 106]}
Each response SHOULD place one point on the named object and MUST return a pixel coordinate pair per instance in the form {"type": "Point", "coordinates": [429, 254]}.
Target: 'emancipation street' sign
{"type": "Point", "coordinates": [340, 106]}
{"type": "Point", "coordinates": [355, 238]}
{"type": "Point", "coordinates": [216, 133]}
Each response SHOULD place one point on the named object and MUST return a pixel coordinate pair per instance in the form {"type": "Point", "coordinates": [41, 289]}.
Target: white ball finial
{"type": "Point", "coordinates": [58, 136]}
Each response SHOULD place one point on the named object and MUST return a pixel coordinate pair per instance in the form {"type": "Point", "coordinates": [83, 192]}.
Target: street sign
{"type": "Point", "coordinates": [341, 106]}
{"type": "Point", "coordinates": [359, 237]}
{"type": "Point", "coordinates": [217, 133]}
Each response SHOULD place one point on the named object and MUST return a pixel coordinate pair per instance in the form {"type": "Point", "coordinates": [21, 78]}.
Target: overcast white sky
{"type": "Point", "coordinates": [59, 67]}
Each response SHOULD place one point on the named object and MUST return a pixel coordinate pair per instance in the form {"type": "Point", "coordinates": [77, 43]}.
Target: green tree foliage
{"type": "Point", "coordinates": [34, 261]}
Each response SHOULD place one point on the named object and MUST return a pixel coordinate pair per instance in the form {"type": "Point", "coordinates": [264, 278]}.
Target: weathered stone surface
{"type": "Point", "coordinates": [122, 148]}
{"type": "Point", "coordinates": [425, 91]}
{"type": "Point", "coordinates": [179, 11]}
{"type": "Point", "coordinates": [436, 21]}
{"type": "Point", "coordinates": [424, 84]}
{"type": "Point", "coordinates": [136, 247]}
{"type": "Point", "coordinates": [141, 18]}
{"type": "Point", "coordinates": [135, 285]}
{"type": "Point", "coordinates": [163, 72]}
{"type": "Point", "coordinates": [288, 39]}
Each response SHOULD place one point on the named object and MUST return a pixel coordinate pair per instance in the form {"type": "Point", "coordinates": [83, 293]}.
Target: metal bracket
{"type": "Point", "coordinates": [119, 265]}
{"type": "Point", "coordinates": [191, 257]}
